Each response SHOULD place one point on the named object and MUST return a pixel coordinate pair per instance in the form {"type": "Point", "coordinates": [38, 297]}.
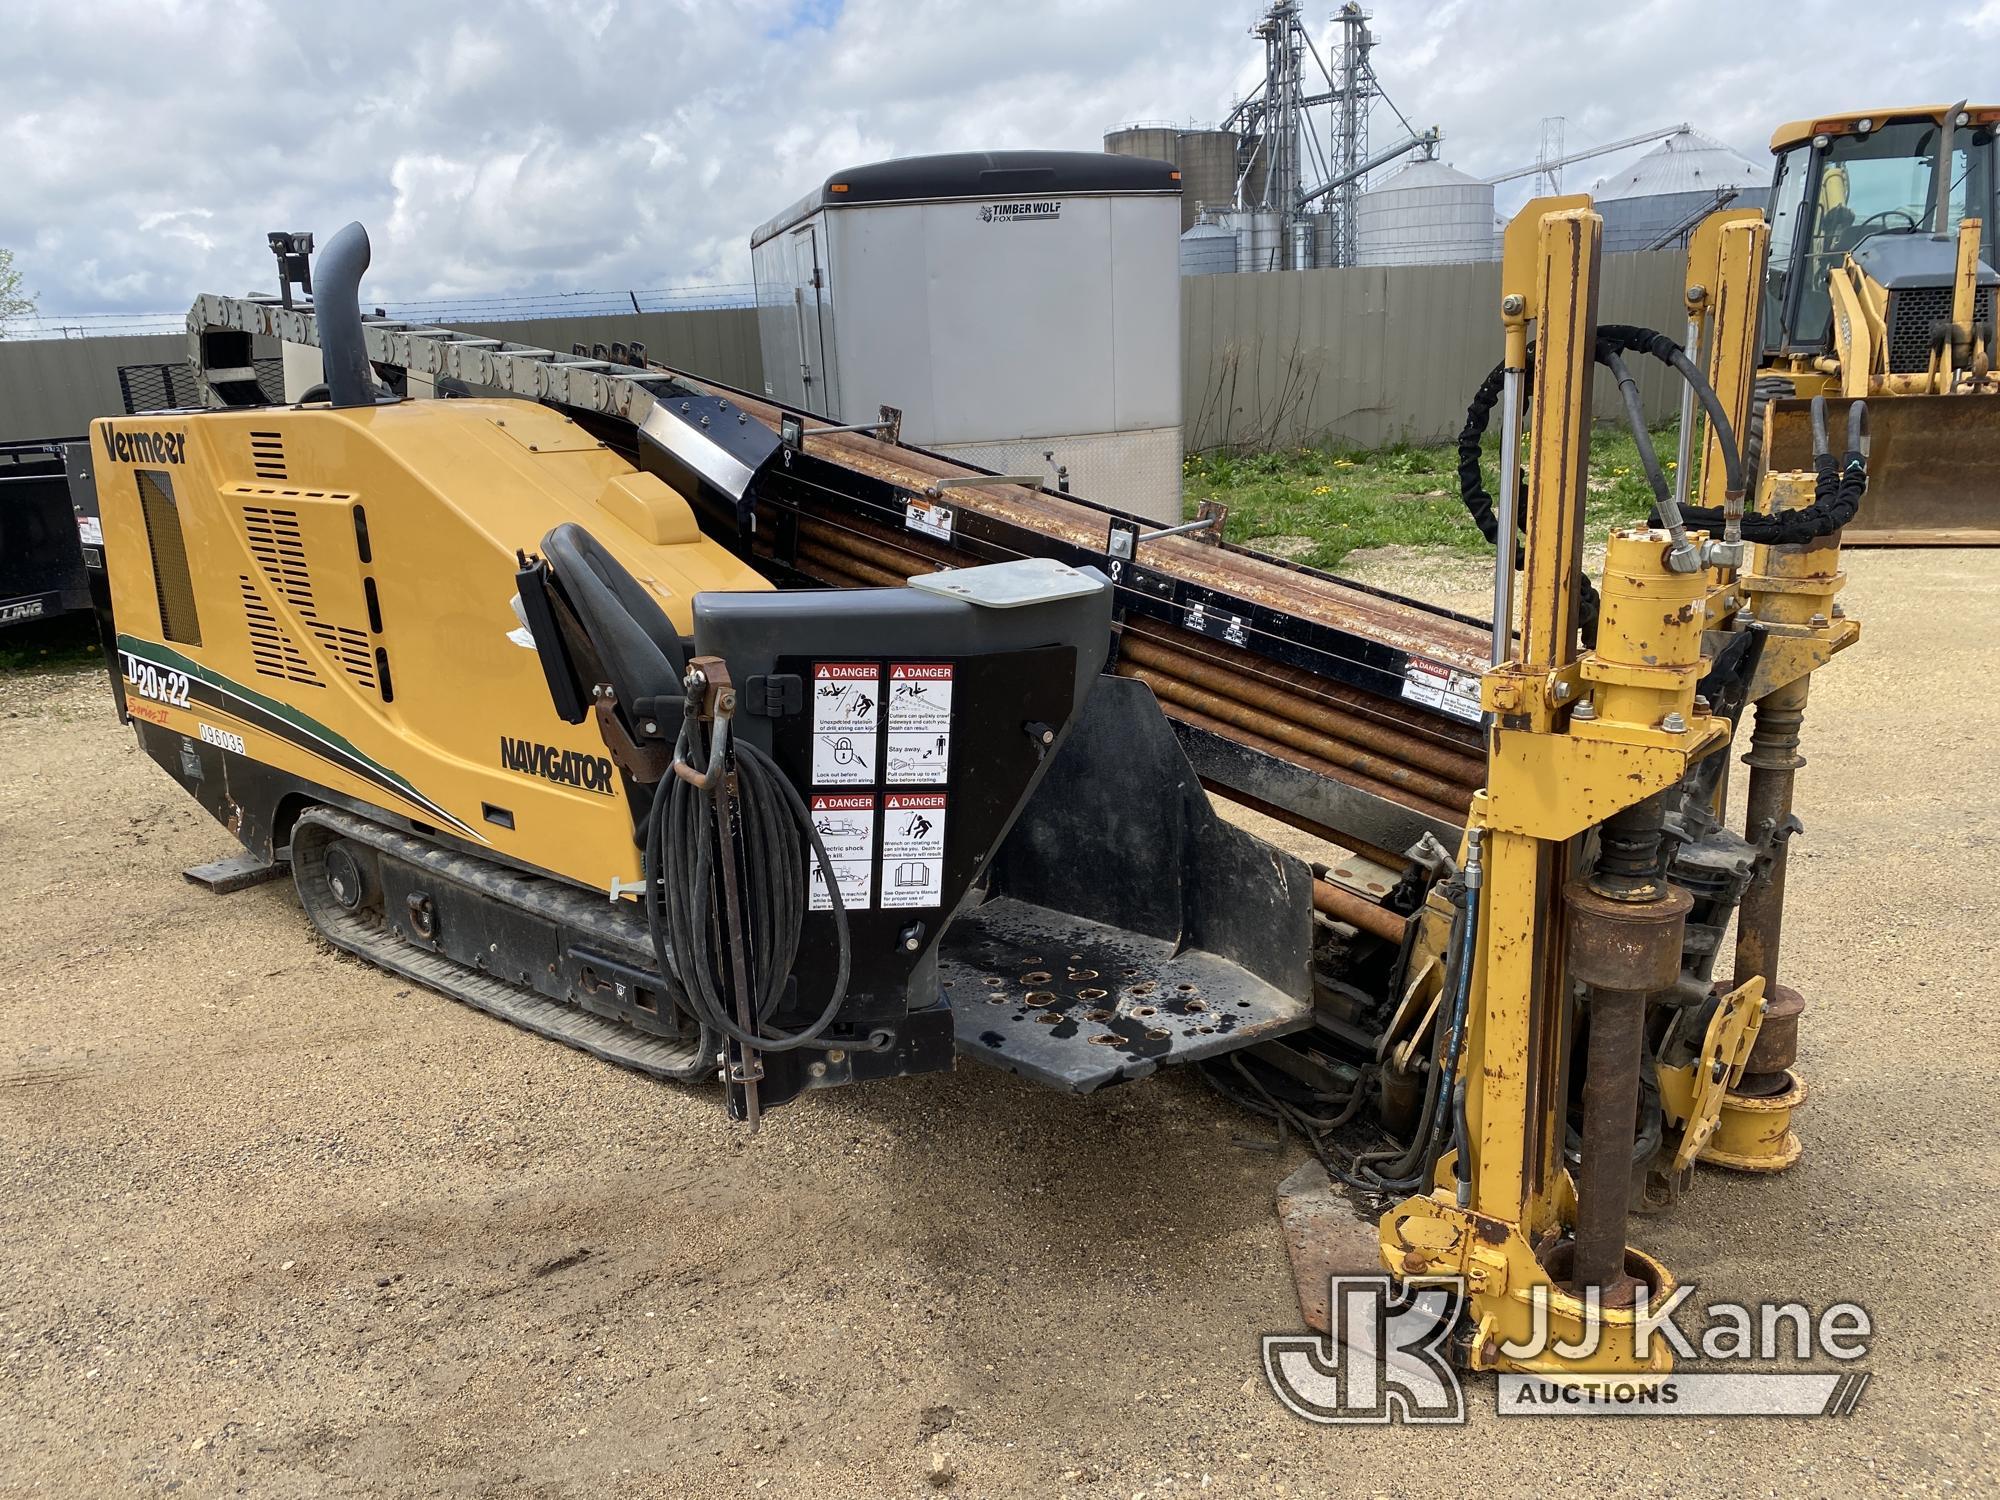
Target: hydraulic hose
{"type": "Point", "coordinates": [1443, 1116]}
{"type": "Point", "coordinates": [1837, 489]}
{"type": "Point", "coordinates": [681, 832]}
{"type": "Point", "coordinates": [1837, 495]}
{"type": "Point", "coordinates": [1635, 416]}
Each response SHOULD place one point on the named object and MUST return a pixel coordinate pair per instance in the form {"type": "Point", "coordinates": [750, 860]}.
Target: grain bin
{"type": "Point", "coordinates": [1260, 240]}
{"type": "Point", "coordinates": [1672, 186]}
{"type": "Point", "coordinates": [1427, 214]}
{"type": "Point", "coordinates": [1154, 142]}
{"type": "Point", "coordinates": [1326, 240]}
{"type": "Point", "coordinates": [1207, 159]}
{"type": "Point", "coordinates": [1208, 247]}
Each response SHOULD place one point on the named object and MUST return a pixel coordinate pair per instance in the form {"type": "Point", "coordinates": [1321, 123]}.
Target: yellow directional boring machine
{"type": "Point", "coordinates": [729, 743]}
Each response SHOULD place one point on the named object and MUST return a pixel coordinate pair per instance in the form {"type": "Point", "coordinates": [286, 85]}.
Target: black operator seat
{"type": "Point", "coordinates": [625, 632]}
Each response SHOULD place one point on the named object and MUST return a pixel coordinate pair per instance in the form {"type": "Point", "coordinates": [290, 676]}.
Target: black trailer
{"type": "Point", "coordinates": [41, 555]}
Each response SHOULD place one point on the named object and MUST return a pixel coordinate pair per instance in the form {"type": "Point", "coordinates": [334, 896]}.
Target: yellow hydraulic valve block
{"type": "Point", "coordinates": [1648, 654]}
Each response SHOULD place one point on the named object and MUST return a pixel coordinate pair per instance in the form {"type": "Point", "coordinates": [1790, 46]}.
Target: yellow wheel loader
{"type": "Point", "coordinates": [725, 742]}
{"type": "Point", "coordinates": [1881, 286]}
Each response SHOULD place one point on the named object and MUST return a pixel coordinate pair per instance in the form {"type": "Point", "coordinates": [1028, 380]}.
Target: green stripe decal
{"type": "Point", "coordinates": [171, 660]}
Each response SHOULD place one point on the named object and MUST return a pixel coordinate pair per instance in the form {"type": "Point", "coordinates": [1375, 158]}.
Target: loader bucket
{"type": "Point", "coordinates": [1933, 467]}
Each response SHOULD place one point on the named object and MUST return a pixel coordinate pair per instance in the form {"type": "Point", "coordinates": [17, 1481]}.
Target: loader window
{"type": "Point", "coordinates": [1879, 183]}
{"type": "Point", "coordinates": [1785, 211]}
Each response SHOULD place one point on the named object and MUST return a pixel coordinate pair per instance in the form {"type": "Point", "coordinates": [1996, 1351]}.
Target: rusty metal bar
{"type": "Point", "coordinates": [1274, 727]}
{"type": "Point", "coordinates": [828, 564]}
{"type": "Point", "coordinates": [1774, 761]}
{"type": "Point", "coordinates": [1358, 911]}
{"type": "Point", "coordinates": [904, 562]}
{"type": "Point", "coordinates": [1194, 716]}
{"type": "Point", "coordinates": [1307, 700]}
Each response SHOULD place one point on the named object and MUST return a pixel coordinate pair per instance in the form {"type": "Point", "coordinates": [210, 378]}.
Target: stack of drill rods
{"type": "Point", "coordinates": [1389, 762]}
{"type": "Point", "coordinates": [1304, 593]}
{"type": "Point", "coordinates": [1284, 713]}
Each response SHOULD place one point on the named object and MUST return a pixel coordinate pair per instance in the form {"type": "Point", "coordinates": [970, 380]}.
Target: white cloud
{"type": "Point", "coordinates": [532, 145]}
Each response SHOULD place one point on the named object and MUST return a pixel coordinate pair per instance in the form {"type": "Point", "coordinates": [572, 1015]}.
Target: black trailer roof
{"type": "Point", "coordinates": [978, 174]}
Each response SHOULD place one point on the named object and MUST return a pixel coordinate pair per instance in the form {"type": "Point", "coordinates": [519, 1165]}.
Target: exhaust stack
{"type": "Point", "coordinates": [350, 380]}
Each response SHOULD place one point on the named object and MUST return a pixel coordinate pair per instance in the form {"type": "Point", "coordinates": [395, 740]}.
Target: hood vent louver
{"type": "Point", "coordinates": [267, 455]}
{"type": "Point", "coordinates": [277, 541]}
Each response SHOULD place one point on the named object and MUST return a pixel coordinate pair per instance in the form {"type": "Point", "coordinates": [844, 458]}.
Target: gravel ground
{"type": "Point", "coordinates": [277, 1223]}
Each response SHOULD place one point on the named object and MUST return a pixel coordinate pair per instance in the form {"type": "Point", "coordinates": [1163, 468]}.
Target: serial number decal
{"type": "Point", "coordinates": [157, 683]}
{"type": "Point", "coordinates": [222, 739]}
{"type": "Point", "coordinates": [145, 445]}
{"type": "Point", "coordinates": [589, 773]}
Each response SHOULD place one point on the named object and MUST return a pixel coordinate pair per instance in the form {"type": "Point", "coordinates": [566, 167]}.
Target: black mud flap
{"type": "Point", "coordinates": [1128, 925]}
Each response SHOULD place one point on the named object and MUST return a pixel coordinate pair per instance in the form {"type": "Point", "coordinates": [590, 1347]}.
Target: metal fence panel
{"type": "Point", "coordinates": [716, 343]}
{"type": "Point", "coordinates": [51, 388]}
{"type": "Point", "coordinates": [1366, 356]}
{"type": "Point", "coordinates": [1363, 357]}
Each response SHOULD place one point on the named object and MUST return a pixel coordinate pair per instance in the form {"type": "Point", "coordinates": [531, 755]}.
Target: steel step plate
{"type": "Point", "coordinates": [1077, 1005]}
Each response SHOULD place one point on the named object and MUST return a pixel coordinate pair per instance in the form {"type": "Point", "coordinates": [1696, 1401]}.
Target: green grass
{"type": "Point", "coordinates": [1315, 505]}
{"type": "Point", "coordinates": [67, 642]}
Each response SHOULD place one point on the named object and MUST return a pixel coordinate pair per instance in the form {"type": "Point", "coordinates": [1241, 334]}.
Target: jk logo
{"type": "Point", "coordinates": [1383, 1361]}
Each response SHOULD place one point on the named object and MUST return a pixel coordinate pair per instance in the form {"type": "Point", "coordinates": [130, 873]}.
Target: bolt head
{"type": "Point", "coordinates": [1818, 622]}
{"type": "Point", "coordinates": [1673, 723]}
{"type": "Point", "coordinates": [1513, 304]}
{"type": "Point", "coordinates": [1585, 710]}
{"type": "Point", "coordinates": [1701, 704]}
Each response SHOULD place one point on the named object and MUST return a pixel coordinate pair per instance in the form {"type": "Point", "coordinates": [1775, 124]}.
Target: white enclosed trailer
{"type": "Point", "coordinates": [1021, 308]}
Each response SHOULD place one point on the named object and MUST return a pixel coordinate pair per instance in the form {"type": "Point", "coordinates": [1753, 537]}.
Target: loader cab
{"type": "Point", "coordinates": [1847, 185]}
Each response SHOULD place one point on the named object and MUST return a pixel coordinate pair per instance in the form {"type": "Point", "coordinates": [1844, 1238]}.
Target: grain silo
{"type": "Point", "coordinates": [1325, 239]}
{"type": "Point", "coordinates": [1208, 247]}
{"type": "Point", "coordinates": [1260, 239]}
{"type": "Point", "coordinates": [1154, 142]}
{"type": "Point", "coordinates": [1207, 159]}
{"type": "Point", "coordinates": [1656, 200]}
{"type": "Point", "coordinates": [1427, 214]}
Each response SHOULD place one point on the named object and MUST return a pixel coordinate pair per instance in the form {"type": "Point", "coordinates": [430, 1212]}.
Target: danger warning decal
{"type": "Point", "coordinates": [846, 825]}
{"type": "Point", "coordinates": [1443, 688]}
{"type": "Point", "coordinates": [847, 704]}
{"type": "Point", "coordinates": [913, 849]}
{"type": "Point", "coordinates": [919, 751]}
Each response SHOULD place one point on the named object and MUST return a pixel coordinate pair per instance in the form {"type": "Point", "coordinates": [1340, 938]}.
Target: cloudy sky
{"type": "Point", "coordinates": [535, 145]}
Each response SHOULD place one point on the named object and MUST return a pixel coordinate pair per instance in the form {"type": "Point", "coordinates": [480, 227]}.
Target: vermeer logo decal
{"type": "Point", "coordinates": [141, 445]}
{"type": "Point", "coordinates": [589, 773]}
{"type": "Point", "coordinates": [1032, 210]}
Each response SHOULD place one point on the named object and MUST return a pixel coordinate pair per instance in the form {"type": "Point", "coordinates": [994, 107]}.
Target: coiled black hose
{"type": "Point", "coordinates": [1612, 340]}
{"type": "Point", "coordinates": [1836, 501]}
{"type": "Point", "coordinates": [681, 832]}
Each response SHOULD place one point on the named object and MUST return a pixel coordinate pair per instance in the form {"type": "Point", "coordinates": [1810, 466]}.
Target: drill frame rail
{"type": "Point", "coordinates": [848, 507]}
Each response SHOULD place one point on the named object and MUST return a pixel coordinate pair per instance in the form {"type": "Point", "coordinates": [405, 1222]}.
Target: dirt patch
{"type": "Point", "coordinates": [280, 1224]}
